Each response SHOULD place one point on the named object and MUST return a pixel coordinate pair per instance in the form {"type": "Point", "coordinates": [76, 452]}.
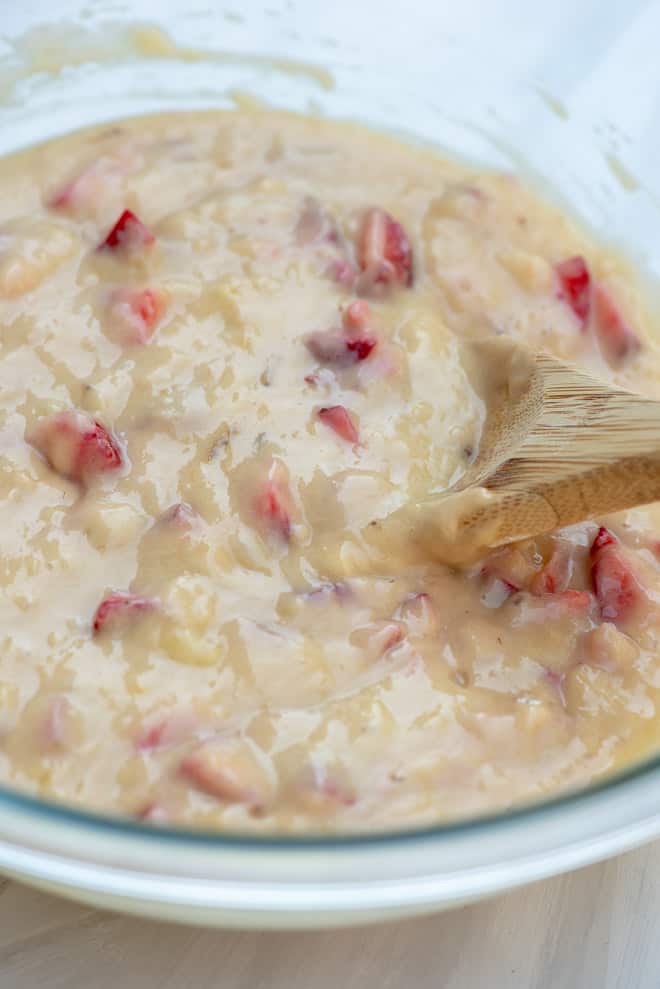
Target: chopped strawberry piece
{"type": "Point", "coordinates": [129, 233]}
{"type": "Point", "coordinates": [615, 585]}
{"type": "Point", "coordinates": [357, 316]}
{"type": "Point", "coordinates": [575, 286]}
{"type": "Point", "coordinates": [361, 347]}
{"type": "Point", "coordinates": [272, 503]}
{"type": "Point", "coordinates": [137, 312]}
{"type": "Point", "coordinates": [227, 769]}
{"type": "Point", "coordinates": [329, 347]}
{"type": "Point", "coordinates": [602, 538]}
{"type": "Point", "coordinates": [384, 251]}
{"type": "Point", "coordinates": [617, 339]}
{"type": "Point", "coordinates": [339, 419]}
{"type": "Point", "coordinates": [113, 611]}
{"type": "Point", "coordinates": [76, 446]}
{"type": "Point", "coordinates": [339, 350]}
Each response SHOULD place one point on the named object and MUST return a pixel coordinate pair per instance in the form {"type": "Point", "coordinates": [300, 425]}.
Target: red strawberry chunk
{"type": "Point", "coordinates": [361, 347]}
{"type": "Point", "coordinates": [271, 508]}
{"type": "Point", "coordinates": [575, 286]}
{"type": "Point", "coordinates": [339, 350]}
{"type": "Point", "coordinates": [615, 585]}
{"type": "Point", "coordinates": [337, 417]}
{"type": "Point", "coordinates": [129, 233]}
{"type": "Point", "coordinates": [602, 538]}
{"type": "Point", "coordinates": [329, 347]}
{"type": "Point", "coordinates": [384, 251]}
{"type": "Point", "coordinates": [227, 769]}
{"type": "Point", "coordinates": [137, 312]}
{"type": "Point", "coordinates": [76, 446]}
{"type": "Point", "coordinates": [113, 611]}
{"type": "Point", "coordinates": [617, 339]}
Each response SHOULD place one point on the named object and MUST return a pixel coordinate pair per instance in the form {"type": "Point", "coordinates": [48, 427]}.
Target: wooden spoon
{"type": "Point", "coordinates": [558, 447]}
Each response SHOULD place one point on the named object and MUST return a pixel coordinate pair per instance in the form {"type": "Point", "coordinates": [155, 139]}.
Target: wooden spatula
{"type": "Point", "coordinates": [558, 447]}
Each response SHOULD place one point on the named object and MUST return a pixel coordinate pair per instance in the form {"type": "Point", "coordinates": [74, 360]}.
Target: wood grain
{"type": "Point", "coordinates": [558, 447]}
{"type": "Point", "coordinates": [594, 929]}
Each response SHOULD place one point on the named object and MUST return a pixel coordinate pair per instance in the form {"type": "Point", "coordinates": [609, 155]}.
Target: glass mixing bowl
{"type": "Point", "coordinates": [566, 92]}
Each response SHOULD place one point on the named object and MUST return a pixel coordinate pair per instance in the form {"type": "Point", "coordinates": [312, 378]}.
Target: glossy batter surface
{"type": "Point", "coordinates": [229, 343]}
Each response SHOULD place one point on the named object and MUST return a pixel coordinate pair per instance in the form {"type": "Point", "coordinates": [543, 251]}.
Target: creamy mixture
{"type": "Point", "coordinates": [228, 344]}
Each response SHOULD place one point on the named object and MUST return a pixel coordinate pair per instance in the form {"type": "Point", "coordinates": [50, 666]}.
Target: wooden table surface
{"type": "Point", "coordinates": [594, 929]}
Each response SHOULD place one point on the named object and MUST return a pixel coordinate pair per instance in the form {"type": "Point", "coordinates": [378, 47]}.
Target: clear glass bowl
{"type": "Point", "coordinates": [565, 92]}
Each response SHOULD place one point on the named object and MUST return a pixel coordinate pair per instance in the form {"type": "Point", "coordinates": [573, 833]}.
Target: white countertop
{"type": "Point", "coordinates": [594, 929]}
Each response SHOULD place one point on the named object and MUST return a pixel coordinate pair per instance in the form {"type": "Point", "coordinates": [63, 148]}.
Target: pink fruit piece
{"type": "Point", "coordinates": [361, 347]}
{"type": "Point", "coordinates": [617, 339]}
{"type": "Point", "coordinates": [602, 539]}
{"type": "Point", "coordinates": [271, 504]}
{"type": "Point", "coordinates": [384, 251]}
{"type": "Point", "coordinates": [337, 418]}
{"type": "Point", "coordinates": [335, 348]}
{"type": "Point", "coordinates": [115, 611]}
{"type": "Point", "coordinates": [137, 312]}
{"type": "Point", "coordinates": [129, 234]}
{"type": "Point", "coordinates": [615, 585]}
{"type": "Point", "coordinates": [575, 286]}
{"type": "Point", "coordinates": [76, 446]}
{"type": "Point", "coordinates": [226, 769]}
